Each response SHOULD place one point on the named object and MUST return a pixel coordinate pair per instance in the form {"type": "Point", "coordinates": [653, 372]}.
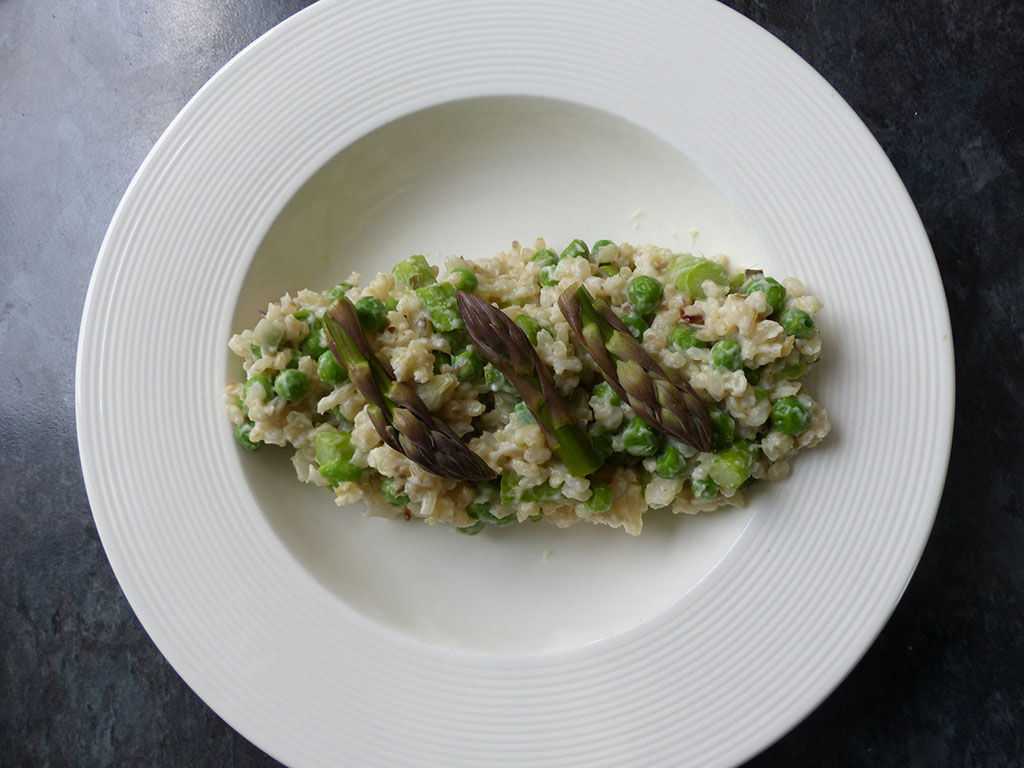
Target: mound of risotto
{"type": "Point", "coordinates": [592, 384]}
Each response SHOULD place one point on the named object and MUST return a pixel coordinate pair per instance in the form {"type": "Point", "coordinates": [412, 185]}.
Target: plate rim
{"type": "Point", "coordinates": [92, 465]}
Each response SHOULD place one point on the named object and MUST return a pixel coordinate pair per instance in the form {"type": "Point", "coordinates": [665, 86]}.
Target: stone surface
{"type": "Point", "coordinates": [86, 88]}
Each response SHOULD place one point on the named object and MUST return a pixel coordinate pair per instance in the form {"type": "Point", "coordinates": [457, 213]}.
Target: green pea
{"type": "Point", "coordinates": [441, 306]}
{"type": "Point", "coordinates": [796, 322]}
{"type": "Point", "coordinates": [689, 273]}
{"type": "Point", "coordinates": [600, 500]}
{"type": "Point", "coordinates": [242, 433]}
{"type": "Point", "coordinates": [391, 496]}
{"type": "Point", "coordinates": [790, 372]}
{"type": "Point", "coordinates": [598, 245]}
{"type": "Point", "coordinates": [601, 438]}
{"type": "Point", "coordinates": [604, 390]}
{"type": "Point", "coordinates": [704, 488]}
{"type": "Point", "coordinates": [253, 381]}
{"type": "Point", "coordinates": [338, 291]}
{"type": "Point", "coordinates": [330, 370]}
{"type": "Point", "coordinates": [305, 316]}
{"type": "Point", "coordinates": [467, 365]}
{"type": "Point", "coordinates": [531, 326]}
{"type": "Point", "coordinates": [645, 294]}
{"type": "Point", "coordinates": [315, 344]}
{"type": "Point", "coordinates": [723, 428]}
{"type": "Point", "coordinates": [576, 249]}
{"type": "Point", "coordinates": [731, 467]}
{"type": "Point", "coordinates": [464, 280]}
{"type": "Point", "coordinates": [727, 354]}
{"type": "Point", "coordinates": [789, 415]}
{"type": "Point", "coordinates": [291, 384]}
{"type": "Point", "coordinates": [636, 324]}
{"type": "Point", "coordinates": [670, 462]}
{"type": "Point", "coordinates": [640, 438]}
{"type": "Point", "coordinates": [683, 337]}
{"type": "Point", "coordinates": [414, 272]}
{"type": "Point", "coordinates": [372, 314]}
{"type": "Point", "coordinates": [334, 452]}
{"type": "Point", "coordinates": [472, 530]}
{"type": "Point", "coordinates": [546, 257]}
{"type": "Point", "coordinates": [774, 292]}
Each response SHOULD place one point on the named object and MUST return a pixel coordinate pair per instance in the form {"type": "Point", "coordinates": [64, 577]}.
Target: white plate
{"type": "Point", "coordinates": [351, 136]}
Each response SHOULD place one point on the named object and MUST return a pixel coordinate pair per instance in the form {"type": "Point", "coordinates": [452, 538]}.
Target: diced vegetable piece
{"type": "Point", "coordinates": [688, 273]}
{"type": "Point", "coordinates": [464, 280]}
{"type": "Point", "coordinates": [531, 326]}
{"type": "Point", "coordinates": [496, 381]}
{"type": "Point", "coordinates": [440, 306]}
{"type": "Point", "coordinates": [268, 333]}
{"type": "Point", "coordinates": [467, 365]}
{"type": "Point", "coordinates": [391, 496]}
{"type": "Point", "coordinates": [334, 452]}
{"type": "Point", "coordinates": [414, 272]}
{"type": "Point", "coordinates": [520, 415]}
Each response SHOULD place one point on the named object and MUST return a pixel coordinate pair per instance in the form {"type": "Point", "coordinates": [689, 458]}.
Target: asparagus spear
{"type": "Point", "coordinates": [670, 405]}
{"type": "Point", "coordinates": [399, 416]}
{"type": "Point", "coordinates": [503, 344]}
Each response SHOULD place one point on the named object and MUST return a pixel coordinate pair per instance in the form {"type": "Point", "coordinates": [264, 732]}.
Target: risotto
{"type": "Point", "coordinates": [737, 343]}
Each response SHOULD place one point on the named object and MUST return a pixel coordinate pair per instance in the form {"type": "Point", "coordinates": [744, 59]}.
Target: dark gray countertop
{"type": "Point", "coordinates": [85, 90]}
